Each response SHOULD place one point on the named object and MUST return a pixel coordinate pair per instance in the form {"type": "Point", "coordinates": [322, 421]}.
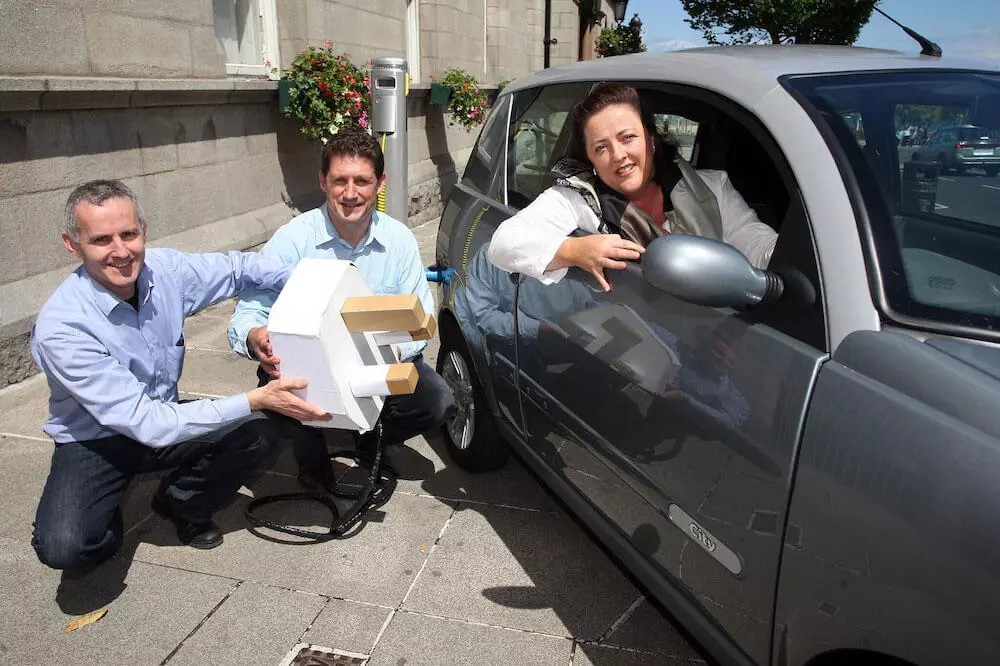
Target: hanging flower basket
{"type": "Point", "coordinates": [284, 91]}
{"type": "Point", "coordinates": [440, 93]}
{"type": "Point", "coordinates": [467, 103]}
{"type": "Point", "coordinates": [324, 91]}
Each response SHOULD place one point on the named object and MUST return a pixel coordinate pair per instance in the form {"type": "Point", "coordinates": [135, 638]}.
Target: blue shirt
{"type": "Point", "coordinates": [388, 258]}
{"type": "Point", "coordinates": [113, 370]}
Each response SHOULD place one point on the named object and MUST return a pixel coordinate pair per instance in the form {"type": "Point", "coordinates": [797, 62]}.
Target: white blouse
{"type": "Point", "coordinates": [528, 241]}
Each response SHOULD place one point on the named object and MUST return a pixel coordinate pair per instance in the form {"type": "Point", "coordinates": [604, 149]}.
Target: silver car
{"type": "Point", "coordinates": [962, 147]}
{"type": "Point", "coordinates": [802, 464]}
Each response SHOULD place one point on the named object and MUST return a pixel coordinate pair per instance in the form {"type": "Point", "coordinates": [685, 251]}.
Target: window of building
{"type": "Point", "coordinates": [248, 33]}
{"type": "Point", "coordinates": [413, 39]}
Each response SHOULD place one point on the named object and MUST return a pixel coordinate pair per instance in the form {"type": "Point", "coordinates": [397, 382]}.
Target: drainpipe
{"type": "Point", "coordinates": [548, 41]}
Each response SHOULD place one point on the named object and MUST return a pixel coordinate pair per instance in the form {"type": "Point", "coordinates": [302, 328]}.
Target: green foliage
{"type": "Point", "coordinates": [468, 103]}
{"type": "Point", "coordinates": [328, 92]}
{"type": "Point", "coordinates": [503, 84]}
{"type": "Point", "coordinates": [779, 21]}
{"type": "Point", "coordinates": [620, 40]}
{"type": "Point", "coordinates": [930, 117]}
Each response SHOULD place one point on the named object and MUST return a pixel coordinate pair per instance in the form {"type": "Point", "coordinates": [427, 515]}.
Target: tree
{"type": "Point", "coordinates": [779, 21]}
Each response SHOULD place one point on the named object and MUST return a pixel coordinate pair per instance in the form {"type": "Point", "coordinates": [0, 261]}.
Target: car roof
{"type": "Point", "coordinates": [752, 70]}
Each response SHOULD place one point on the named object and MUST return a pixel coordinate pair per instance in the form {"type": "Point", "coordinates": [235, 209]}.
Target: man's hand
{"type": "Point", "coordinates": [277, 396]}
{"type": "Point", "coordinates": [596, 252]}
{"type": "Point", "coordinates": [259, 344]}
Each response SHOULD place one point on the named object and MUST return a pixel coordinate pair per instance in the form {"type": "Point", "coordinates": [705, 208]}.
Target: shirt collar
{"type": "Point", "coordinates": [376, 231]}
{"type": "Point", "coordinates": [107, 301]}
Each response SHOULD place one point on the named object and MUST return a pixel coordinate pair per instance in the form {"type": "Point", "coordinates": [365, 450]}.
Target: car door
{"type": "Point", "coordinates": [482, 299]}
{"type": "Point", "coordinates": [679, 422]}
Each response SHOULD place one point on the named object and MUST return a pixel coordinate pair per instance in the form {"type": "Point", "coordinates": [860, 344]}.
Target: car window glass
{"type": "Point", "coordinates": [486, 153]}
{"type": "Point", "coordinates": [538, 140]}
{"type": "Point", "coordinates": [928, 177]}
{"type": "Point", "coordinates": [683, 130]}
{"type": "Point", "coordinates": [731, 139]}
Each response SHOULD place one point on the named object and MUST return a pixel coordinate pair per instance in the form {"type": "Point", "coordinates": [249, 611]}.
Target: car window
{"type": "Point", "coordinates": [732, 139]}
{"type": "Point", "coordinates": [538, 139]}
{"type": "Point", "coordinates": [928, 177]}
{"type": "Point", "coordinates": [479, 172]}
{"type": "Point", "coordinates": [683, 130]}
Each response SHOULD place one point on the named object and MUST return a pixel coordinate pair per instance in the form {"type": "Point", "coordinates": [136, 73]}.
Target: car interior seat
{"type": "Point", "coordinates": [729, 147]}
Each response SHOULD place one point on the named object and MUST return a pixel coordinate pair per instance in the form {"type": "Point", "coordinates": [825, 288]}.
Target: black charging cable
{"type": "Point", "coordinates": [377, 490]}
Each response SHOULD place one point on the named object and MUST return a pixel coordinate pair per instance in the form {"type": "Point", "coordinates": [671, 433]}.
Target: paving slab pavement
{"type": "Point", "coordinates": [455, 569]}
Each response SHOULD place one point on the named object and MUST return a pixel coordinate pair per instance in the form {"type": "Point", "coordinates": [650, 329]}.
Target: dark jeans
{"type": "Point", "coordinates": [430, 406]}
{"type": "Point", "coordinates": [79, 520]}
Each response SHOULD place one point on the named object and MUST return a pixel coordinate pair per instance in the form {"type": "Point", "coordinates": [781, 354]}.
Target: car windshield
{"type": "Point", "coordinates": [922, 148]}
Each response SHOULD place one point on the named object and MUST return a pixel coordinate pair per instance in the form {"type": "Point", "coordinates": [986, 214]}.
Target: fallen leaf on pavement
{"type": "Point", "coordinates": [84, 620]}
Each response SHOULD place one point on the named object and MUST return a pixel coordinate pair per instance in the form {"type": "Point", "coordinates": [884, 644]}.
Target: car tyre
{"type": "Point", "coordinates": [472, 438]}
{"type": "Point", "coordinates": [992, 171]}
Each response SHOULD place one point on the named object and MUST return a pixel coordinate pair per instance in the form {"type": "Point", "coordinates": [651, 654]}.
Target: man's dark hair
{"type": "Point", "coordinates": [610, 94]}
{"type": "Point", "coordinates": [353, 141]}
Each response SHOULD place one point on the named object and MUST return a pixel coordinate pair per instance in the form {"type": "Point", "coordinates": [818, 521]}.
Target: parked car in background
{"type": "Point", "coordinates": [807, 474]}
{"type": "Point", "coordinates": [962, 147]}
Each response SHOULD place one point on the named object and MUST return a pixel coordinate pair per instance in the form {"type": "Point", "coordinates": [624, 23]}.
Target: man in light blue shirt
{"type": "Point", "coordinates": [385, 251]}
{"type": "Point", "coordinates": [110, 341]}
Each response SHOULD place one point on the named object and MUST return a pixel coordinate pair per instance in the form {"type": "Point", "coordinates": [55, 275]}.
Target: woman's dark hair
{"type": "Point", "coordinates": [353, 141]}
{"type": "Point", "coordinates": [610, 94]}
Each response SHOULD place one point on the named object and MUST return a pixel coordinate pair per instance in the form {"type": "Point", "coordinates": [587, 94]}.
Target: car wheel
{"type": "Point", "coordinates": [471, 437]}
{"type": "Point", "coordinates": [992, 171]}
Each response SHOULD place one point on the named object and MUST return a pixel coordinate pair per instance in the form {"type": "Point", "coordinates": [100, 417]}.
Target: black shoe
{"type": "Point", "coordinates": [197, 535]}
{"type": "Point", "coordinates": [314, 484]}
{"type": "Point", "coordinates": [365, 446]}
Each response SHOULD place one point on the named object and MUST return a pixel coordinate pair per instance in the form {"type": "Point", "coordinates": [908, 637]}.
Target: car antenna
{"type": "Point", "coordinates": [927, 47]}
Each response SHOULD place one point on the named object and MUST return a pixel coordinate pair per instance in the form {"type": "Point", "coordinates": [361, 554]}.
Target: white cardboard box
{"type": "Point", "coordinates": [309, 336]}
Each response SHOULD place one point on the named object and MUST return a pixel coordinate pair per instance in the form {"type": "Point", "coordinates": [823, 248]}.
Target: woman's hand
{"type": "Point", "coordinates": [596, 252]}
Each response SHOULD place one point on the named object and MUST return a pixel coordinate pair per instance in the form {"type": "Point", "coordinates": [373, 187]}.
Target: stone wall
{"type": "Point", "coordinates": [363, 28]}
{"type": "Point", "coordinates": [119, 38]}
{"type": "Point", "coordinates": [213, 167]}
{"type": "Point", "coordinates": [137, 90]}
{"type": "Point", "coordinates": [451, 35]}
{"type": "Point", "coordinates": [437, 150]}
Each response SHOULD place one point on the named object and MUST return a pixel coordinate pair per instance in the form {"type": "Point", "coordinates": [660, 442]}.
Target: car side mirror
{"type": "Point", "coordinates": [707, 272]}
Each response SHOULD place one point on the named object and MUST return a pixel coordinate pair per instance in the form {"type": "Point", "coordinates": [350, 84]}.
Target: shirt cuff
{"type": "Point", "coordinates": [410, 350]}
{"type": "Point", "coordinates": [233, 408]}
{"type": "Point", "coordinates": [547, 254]}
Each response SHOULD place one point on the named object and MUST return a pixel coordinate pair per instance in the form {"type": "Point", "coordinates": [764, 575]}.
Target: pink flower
{"type": "Point", "coordinates": [328, 43]}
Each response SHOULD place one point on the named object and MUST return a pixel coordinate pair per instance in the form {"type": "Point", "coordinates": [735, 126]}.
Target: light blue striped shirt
{"type": "Point", "coordinates": [388, 258]}
{"type": "Point", "coordinates": [113, 370]}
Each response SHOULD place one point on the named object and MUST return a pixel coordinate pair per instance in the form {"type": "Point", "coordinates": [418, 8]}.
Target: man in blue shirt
{"type": "Point", "coordinates": [385, 251]}
{"type": "Point", "coordinates": [110, 341]}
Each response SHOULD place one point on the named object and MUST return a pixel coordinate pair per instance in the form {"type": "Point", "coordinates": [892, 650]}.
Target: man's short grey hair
{"type": "Point", "coordinates": [96, 192]}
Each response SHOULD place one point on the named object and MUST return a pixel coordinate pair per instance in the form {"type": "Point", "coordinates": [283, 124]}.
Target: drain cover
{"type": "Point", "coordinates": [314, 655]}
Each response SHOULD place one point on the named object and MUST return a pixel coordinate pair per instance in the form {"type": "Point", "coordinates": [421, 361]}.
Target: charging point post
{"type": "Point", "coordinates": [389, 83]}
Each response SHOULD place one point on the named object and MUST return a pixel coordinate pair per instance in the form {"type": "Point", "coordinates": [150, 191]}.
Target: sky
{"type": "Point", "coordinates": [964, 28]}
